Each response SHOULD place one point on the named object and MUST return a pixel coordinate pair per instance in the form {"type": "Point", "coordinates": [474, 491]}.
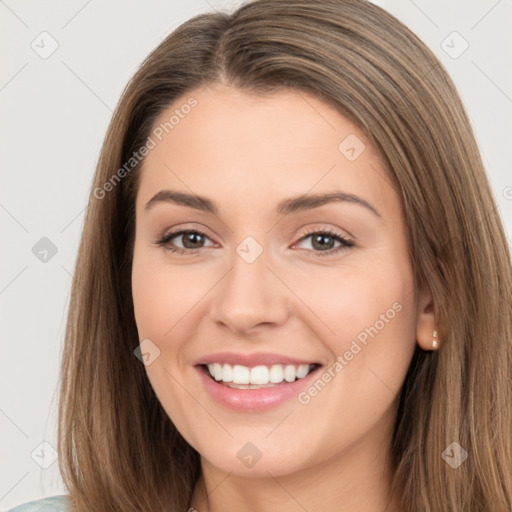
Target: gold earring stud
{"type": "Point", "coordinates": [434, 342]}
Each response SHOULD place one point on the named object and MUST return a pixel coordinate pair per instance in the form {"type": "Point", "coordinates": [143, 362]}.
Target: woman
{"type": "Point", "coordinates": [293, 290]}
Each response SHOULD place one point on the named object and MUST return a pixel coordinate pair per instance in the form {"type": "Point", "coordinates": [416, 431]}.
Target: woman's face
{"type": "Point", "coordinates": [261, 292]}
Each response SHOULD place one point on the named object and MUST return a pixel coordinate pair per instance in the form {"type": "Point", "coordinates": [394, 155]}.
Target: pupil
{"type": "Point", "coordinates": [321, 240]}
{"type": "Point", "coordinates": [191, 236]}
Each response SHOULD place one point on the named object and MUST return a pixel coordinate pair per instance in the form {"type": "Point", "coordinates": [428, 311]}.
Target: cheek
{"type": "Point", "coordinates": [370, 317]}
{"type": "Point", "coordinates": [162, 294]}
{"type": "Point", "coordinates": [153, 301]}
{"type": "Point", "coordinates": [358, 300]}
{"type": "Point", "coordinates": [365, 314]}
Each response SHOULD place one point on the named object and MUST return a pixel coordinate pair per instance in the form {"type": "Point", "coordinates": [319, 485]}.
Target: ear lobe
{"type": "Point", "coordinates": [425, 321]}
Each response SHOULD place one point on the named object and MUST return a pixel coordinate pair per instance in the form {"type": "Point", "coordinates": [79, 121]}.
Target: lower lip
{"type": "Point", "coordinates": [253, 399]}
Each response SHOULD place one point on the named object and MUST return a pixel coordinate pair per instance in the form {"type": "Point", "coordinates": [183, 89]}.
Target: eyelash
{"type": "Point", "coordinates": [345, 244]}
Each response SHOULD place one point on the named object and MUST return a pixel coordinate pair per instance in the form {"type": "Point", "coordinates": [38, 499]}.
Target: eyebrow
{"type": "Point", "coordinates": [285, 207]}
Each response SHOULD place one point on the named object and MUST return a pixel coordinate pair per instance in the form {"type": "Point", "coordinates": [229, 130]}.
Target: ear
{"type": "Point", "coordinates": [425, 321]}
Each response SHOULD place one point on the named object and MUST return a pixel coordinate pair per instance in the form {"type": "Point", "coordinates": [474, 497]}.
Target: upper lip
{"type": "Point", "coordinates": [250, 360]}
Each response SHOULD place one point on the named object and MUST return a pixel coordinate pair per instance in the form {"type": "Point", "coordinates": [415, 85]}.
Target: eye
{"type": "Point", "coordinates": [191, 240]}
{"type": "Point", "coordinates": [322, 242]}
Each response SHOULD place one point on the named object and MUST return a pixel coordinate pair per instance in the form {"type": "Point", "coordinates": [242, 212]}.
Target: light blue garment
{"type": "Point", "coordinates": [51, 504]}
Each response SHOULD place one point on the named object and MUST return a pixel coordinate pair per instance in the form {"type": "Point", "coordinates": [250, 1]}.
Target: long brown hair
{"type": "Point", "coordinates": [118, 449]}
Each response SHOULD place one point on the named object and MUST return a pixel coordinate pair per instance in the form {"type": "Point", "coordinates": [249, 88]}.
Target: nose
{"type": "Point", "coordinates": [249, 297]}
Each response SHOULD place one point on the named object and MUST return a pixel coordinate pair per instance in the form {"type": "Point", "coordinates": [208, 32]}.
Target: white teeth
{"type": "Point", "coordinates": [227, 373]}
{"type": "Point", "coordinates": [217, 371]}
{"type": "Point", "coordinates": [261, 375]}
{"type": "Point", "coordinates": [302, 371]}
{"type": "Point", "coordinates": [276, 374]}
{"type": "Point", "coordinates": [241, 374]}
{"type": "Point", "coordinates": [289, 373]}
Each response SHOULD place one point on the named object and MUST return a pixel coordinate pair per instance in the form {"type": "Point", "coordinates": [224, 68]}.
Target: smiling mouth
{"type": "Point", "coordinates": [257, 377]}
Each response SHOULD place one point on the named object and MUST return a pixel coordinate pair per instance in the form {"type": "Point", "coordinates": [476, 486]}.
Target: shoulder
{"type": "Point", "coordinates": [51, 504]}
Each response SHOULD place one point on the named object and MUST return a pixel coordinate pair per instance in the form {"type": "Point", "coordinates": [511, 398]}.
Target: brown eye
{"type": "Point", "coordinates": [322, 242]}
{"type": "Point", "coordinates": [191, 240]}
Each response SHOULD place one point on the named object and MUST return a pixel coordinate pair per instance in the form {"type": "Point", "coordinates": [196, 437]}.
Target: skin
{"type": "Point", "coordinates": [247, 153]}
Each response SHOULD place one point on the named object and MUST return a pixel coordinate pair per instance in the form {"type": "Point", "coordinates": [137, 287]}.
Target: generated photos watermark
{"type": "Point", "coordinates": [137, 156]}
{"type": "Point", "coordinates": [357, 345]}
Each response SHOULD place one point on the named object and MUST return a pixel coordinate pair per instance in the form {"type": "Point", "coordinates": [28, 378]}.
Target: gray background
{"type": "Point", "coordinates": [54, 112]}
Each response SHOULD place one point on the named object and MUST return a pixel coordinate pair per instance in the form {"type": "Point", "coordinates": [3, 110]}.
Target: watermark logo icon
{"type": "Point", "coordinates": [454, 455]}
{"type": "Point", "coordinates": [454, 45]}
{"type": "Point", "coordinates": [44, 250]}
{"type": "Point", "coordinates": [44, 455]}
{"type": "Point", "coordinates": [45, 45]}
{"type": "Point", "coordinates": [351, 147]}
{"type": "Point", "coordinates": [249, 455]}
{"type": "Point", "coordinates": [147, 352]}
{"type": "Point", "coordinates": [249, 249]}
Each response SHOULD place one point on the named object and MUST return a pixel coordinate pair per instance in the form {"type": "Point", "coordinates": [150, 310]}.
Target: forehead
{"type": "Point", "coordinates": [231, 143]}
